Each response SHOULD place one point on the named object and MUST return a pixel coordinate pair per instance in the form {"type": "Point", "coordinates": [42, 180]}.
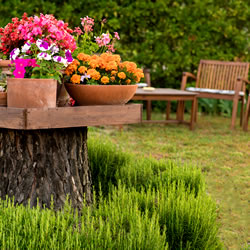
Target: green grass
{"type": "Point", "coordinates": [222, 155]}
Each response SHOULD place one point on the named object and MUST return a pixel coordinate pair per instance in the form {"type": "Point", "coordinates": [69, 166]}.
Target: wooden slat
{"type": "Point", "coordinates": [13, 118]}
{"type": "Point", "coordinates": [63, 117]}
{"type": "Point", "coordinates": [83, 116]}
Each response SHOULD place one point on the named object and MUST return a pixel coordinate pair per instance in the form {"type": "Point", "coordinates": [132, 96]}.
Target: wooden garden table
{"type": "Point", "coordinates": [43, 152]}
{"type": "Point", "coordinates": [167, 94]}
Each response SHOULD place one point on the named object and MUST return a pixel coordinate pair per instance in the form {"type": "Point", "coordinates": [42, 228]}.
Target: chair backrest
{"type": "Point", "coordinates": [220, 75]}
{"type": "Point", "coordinates": [147, 76]}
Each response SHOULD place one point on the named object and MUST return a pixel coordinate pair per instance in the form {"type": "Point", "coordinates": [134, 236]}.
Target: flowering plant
{"type": "Point", "coordinates": [90, 44]}
{"type": "Point", "coordinates": [106, 69]}
{"type": "Point", "coordinates": [39, 60]}
{"type": "Point", "coordinates": [46, 27]}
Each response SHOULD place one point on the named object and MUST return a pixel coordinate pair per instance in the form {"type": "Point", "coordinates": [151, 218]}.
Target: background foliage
{"type": "Point", "coordinates": [168, 36]}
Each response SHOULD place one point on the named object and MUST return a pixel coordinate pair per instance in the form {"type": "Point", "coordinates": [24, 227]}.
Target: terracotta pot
{"type": "Point", "coordinates": [3, 99]}
{"type": "Point", "coordinates": [5, 65]}
{"type": "Point", "coordinates": [100, 94]}
{"type": "Point", "coordinates": [31, 93]}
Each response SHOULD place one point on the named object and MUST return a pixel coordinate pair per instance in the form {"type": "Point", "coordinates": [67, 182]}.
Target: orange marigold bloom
{"type": "Point", "coordinates": [94, 74]}
{"type": "Point", "coordinates": [83, 57]}
{"type": "Point", "coordinates": [75, 78]}
{"type": "Point", "coordinates": [71, 69]}
{"type": "Point", "coordinates": [121, 75]}
{"type": "Point", "coordinates": [117, 58]}
{"type": "Point", "coordinates": [105, 80]}
{"type": "Point", "coordinates": [112, 78]}
{"type": "Point", "coordinates": [93, 63]}
{"type": "Point", "coordinates": [75, 62]}
{"type": "Point", "coordinates": [82, 69]}
{"type": "Point", "coordinates": [111, 66]}
{"type": "Point", "coordinates": [94, 57]}
{"type": "Point", "coordinates": [128, 81]}
{"type": "Point", "coordinates": [113, 72]}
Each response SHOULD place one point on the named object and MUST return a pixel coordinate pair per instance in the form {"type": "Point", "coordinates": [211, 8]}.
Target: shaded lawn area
{"type": "Point", "coordinates": [223, 155]}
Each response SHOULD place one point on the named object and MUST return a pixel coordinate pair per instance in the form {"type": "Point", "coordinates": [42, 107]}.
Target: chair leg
{"type": "Point", "coordinates": [193, 113]}
{"type": "Point", "coordinates": [196, 110]}
{"type": "Point", "coordinates": [242, 111]}
{"type": "Point", "coordinates": [148, 108]}
{"type": "Point", "coordinates": [234, 112]}
{"type": "Point", "coordinates": [246, 115]}
{"type": "Point", "coordinates": [168, 109]}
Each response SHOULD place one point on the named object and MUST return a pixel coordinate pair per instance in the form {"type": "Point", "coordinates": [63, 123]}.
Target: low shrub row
{"type": "Point", "coordinates": [138, 204]}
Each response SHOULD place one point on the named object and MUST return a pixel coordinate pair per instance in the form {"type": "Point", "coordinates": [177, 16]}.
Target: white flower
{"type": "Point", "coordinates": [54, 49]}
{"type": "Point", "coordinates": [1, 89]}
{"type": "Point", "coordinates": [44, 56]}
{"type": "Point", "coordinates": [14, 53]}
{"type": "Point", "coordinates": [26, 47]}
{"type": "Point", "coordinates": [42, 45]}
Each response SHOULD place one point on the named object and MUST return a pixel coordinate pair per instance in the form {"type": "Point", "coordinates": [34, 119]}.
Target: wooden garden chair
{"type": "Point", "coordinates": [220, 80]}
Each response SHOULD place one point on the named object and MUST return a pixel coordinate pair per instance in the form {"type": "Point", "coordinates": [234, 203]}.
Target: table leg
{"type": "Point", "coordinates": [193, 113]}
{"type": "Point", "coordinates": [168, 109]}
{"type": "Point", "coordinates": [148, 109]}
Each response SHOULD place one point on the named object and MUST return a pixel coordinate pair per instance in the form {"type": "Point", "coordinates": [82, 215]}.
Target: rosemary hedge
{"type": "Point", "coordinates": [138, 204]}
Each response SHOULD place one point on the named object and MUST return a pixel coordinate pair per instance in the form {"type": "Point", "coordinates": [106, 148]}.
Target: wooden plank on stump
{"type": "Point", "coordinates": [83, 116]}
{"type": "Point", "coordinates": [13, 118]}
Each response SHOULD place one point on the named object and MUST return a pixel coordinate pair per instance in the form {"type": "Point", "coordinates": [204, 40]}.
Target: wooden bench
{"type": "Point", "coordinates": [220, 80]}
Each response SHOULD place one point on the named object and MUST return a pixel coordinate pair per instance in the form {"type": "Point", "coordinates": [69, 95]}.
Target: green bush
{"type": "Point", "coordinates": [145, 205]}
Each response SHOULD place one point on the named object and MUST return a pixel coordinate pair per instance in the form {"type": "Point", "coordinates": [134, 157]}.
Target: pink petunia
{"type": "Point", "coordinates": [19, 72]}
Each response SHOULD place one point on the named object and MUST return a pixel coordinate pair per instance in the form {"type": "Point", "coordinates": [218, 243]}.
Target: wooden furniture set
{"type": "Point", "coordinates": [164, 94]}
{"type": "Point", "coordinates": [215, 80]}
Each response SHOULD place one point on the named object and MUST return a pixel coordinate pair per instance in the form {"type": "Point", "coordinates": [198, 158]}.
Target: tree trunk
{"type": "Point", "coordinates": [38, 164]}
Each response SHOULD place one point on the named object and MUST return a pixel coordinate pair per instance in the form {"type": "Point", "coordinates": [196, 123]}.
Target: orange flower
{"type": "Point", "coordinates": [70, 69]}
{"type": "Point", "coordinates": [83, 57]}
{"type": "Point", "coordinates": [93, 63]}
{"type": "Point", "coordinates": [111, 66]}
{"type": "Point", "coordinates": [117, 58]}
{"type": "Point", "coordinates": [94, 74]}
{"type": "Point", "coordinates": [75, 62]}
{"type": "Point", "coordinates": [121, 75]}
{"type": "Point", "coordinates": [113, 72]}
{"type": "Point", "coordinates": [112, 78]}
{"type": "Point", "coordinates": [105, 80]}
{"type": "Point", "coordinates": [82, 69]}
{"type": "Point", "coordinates": [75, 78]}
{"type": "Point", "coordinates": [128, 81]}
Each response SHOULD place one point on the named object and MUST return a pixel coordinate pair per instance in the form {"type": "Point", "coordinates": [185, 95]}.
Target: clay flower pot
{"type": "Point", "coordinates": [100, 94]}
{"type": "Point", "coordinates": [3, 99]}
{"type": "Point", "coordinates": [5, 65]}
{"type": "Point", "coordinates": [31, 93]}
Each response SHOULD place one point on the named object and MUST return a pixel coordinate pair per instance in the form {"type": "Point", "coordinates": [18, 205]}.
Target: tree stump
{"type": "Point", "coordinates": [36, 165]}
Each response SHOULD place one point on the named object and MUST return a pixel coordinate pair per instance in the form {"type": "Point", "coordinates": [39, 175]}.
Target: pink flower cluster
{"type": "Point", "coordinates": [104, 40]}
{"type": "Point", "coordinates": [87, 24]}
{"type": "Point", "coordinates": [47, 27]}
{"type": "Point", "coordinates": [21, 64]}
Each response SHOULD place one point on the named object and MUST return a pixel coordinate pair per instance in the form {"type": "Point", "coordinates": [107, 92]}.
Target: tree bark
{"type": "Point", "coordinates": [38, 164]}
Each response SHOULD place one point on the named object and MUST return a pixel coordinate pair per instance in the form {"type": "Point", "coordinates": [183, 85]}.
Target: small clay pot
{"type": "Point", "coordinates": [100, 94]}
{"type": "Point", "coordinates": [31, 93]}
{"type": "Point", "coordinates": [3, 99]}
{"type": "Point", "coordinates": [6, 66]}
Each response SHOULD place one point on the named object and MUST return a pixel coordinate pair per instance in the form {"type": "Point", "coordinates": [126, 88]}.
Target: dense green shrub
{"type": "Point", "coordinates": [147, 205]}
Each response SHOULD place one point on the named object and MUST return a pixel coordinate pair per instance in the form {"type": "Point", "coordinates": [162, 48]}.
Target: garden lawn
{"type": "Point", "coordinates": [222, 154]}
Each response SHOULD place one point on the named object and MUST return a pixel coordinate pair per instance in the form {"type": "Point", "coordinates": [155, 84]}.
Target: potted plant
{"type": "Point", "coordinates": [101, 79]}
{"type": "Point", "coordinates": [39, 48]}
{"type": "Point", "coordinates": [3, 94]}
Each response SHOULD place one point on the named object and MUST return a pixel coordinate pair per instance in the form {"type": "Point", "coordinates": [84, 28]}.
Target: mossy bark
{"type": "Point", "coordinates": [36, 165]}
